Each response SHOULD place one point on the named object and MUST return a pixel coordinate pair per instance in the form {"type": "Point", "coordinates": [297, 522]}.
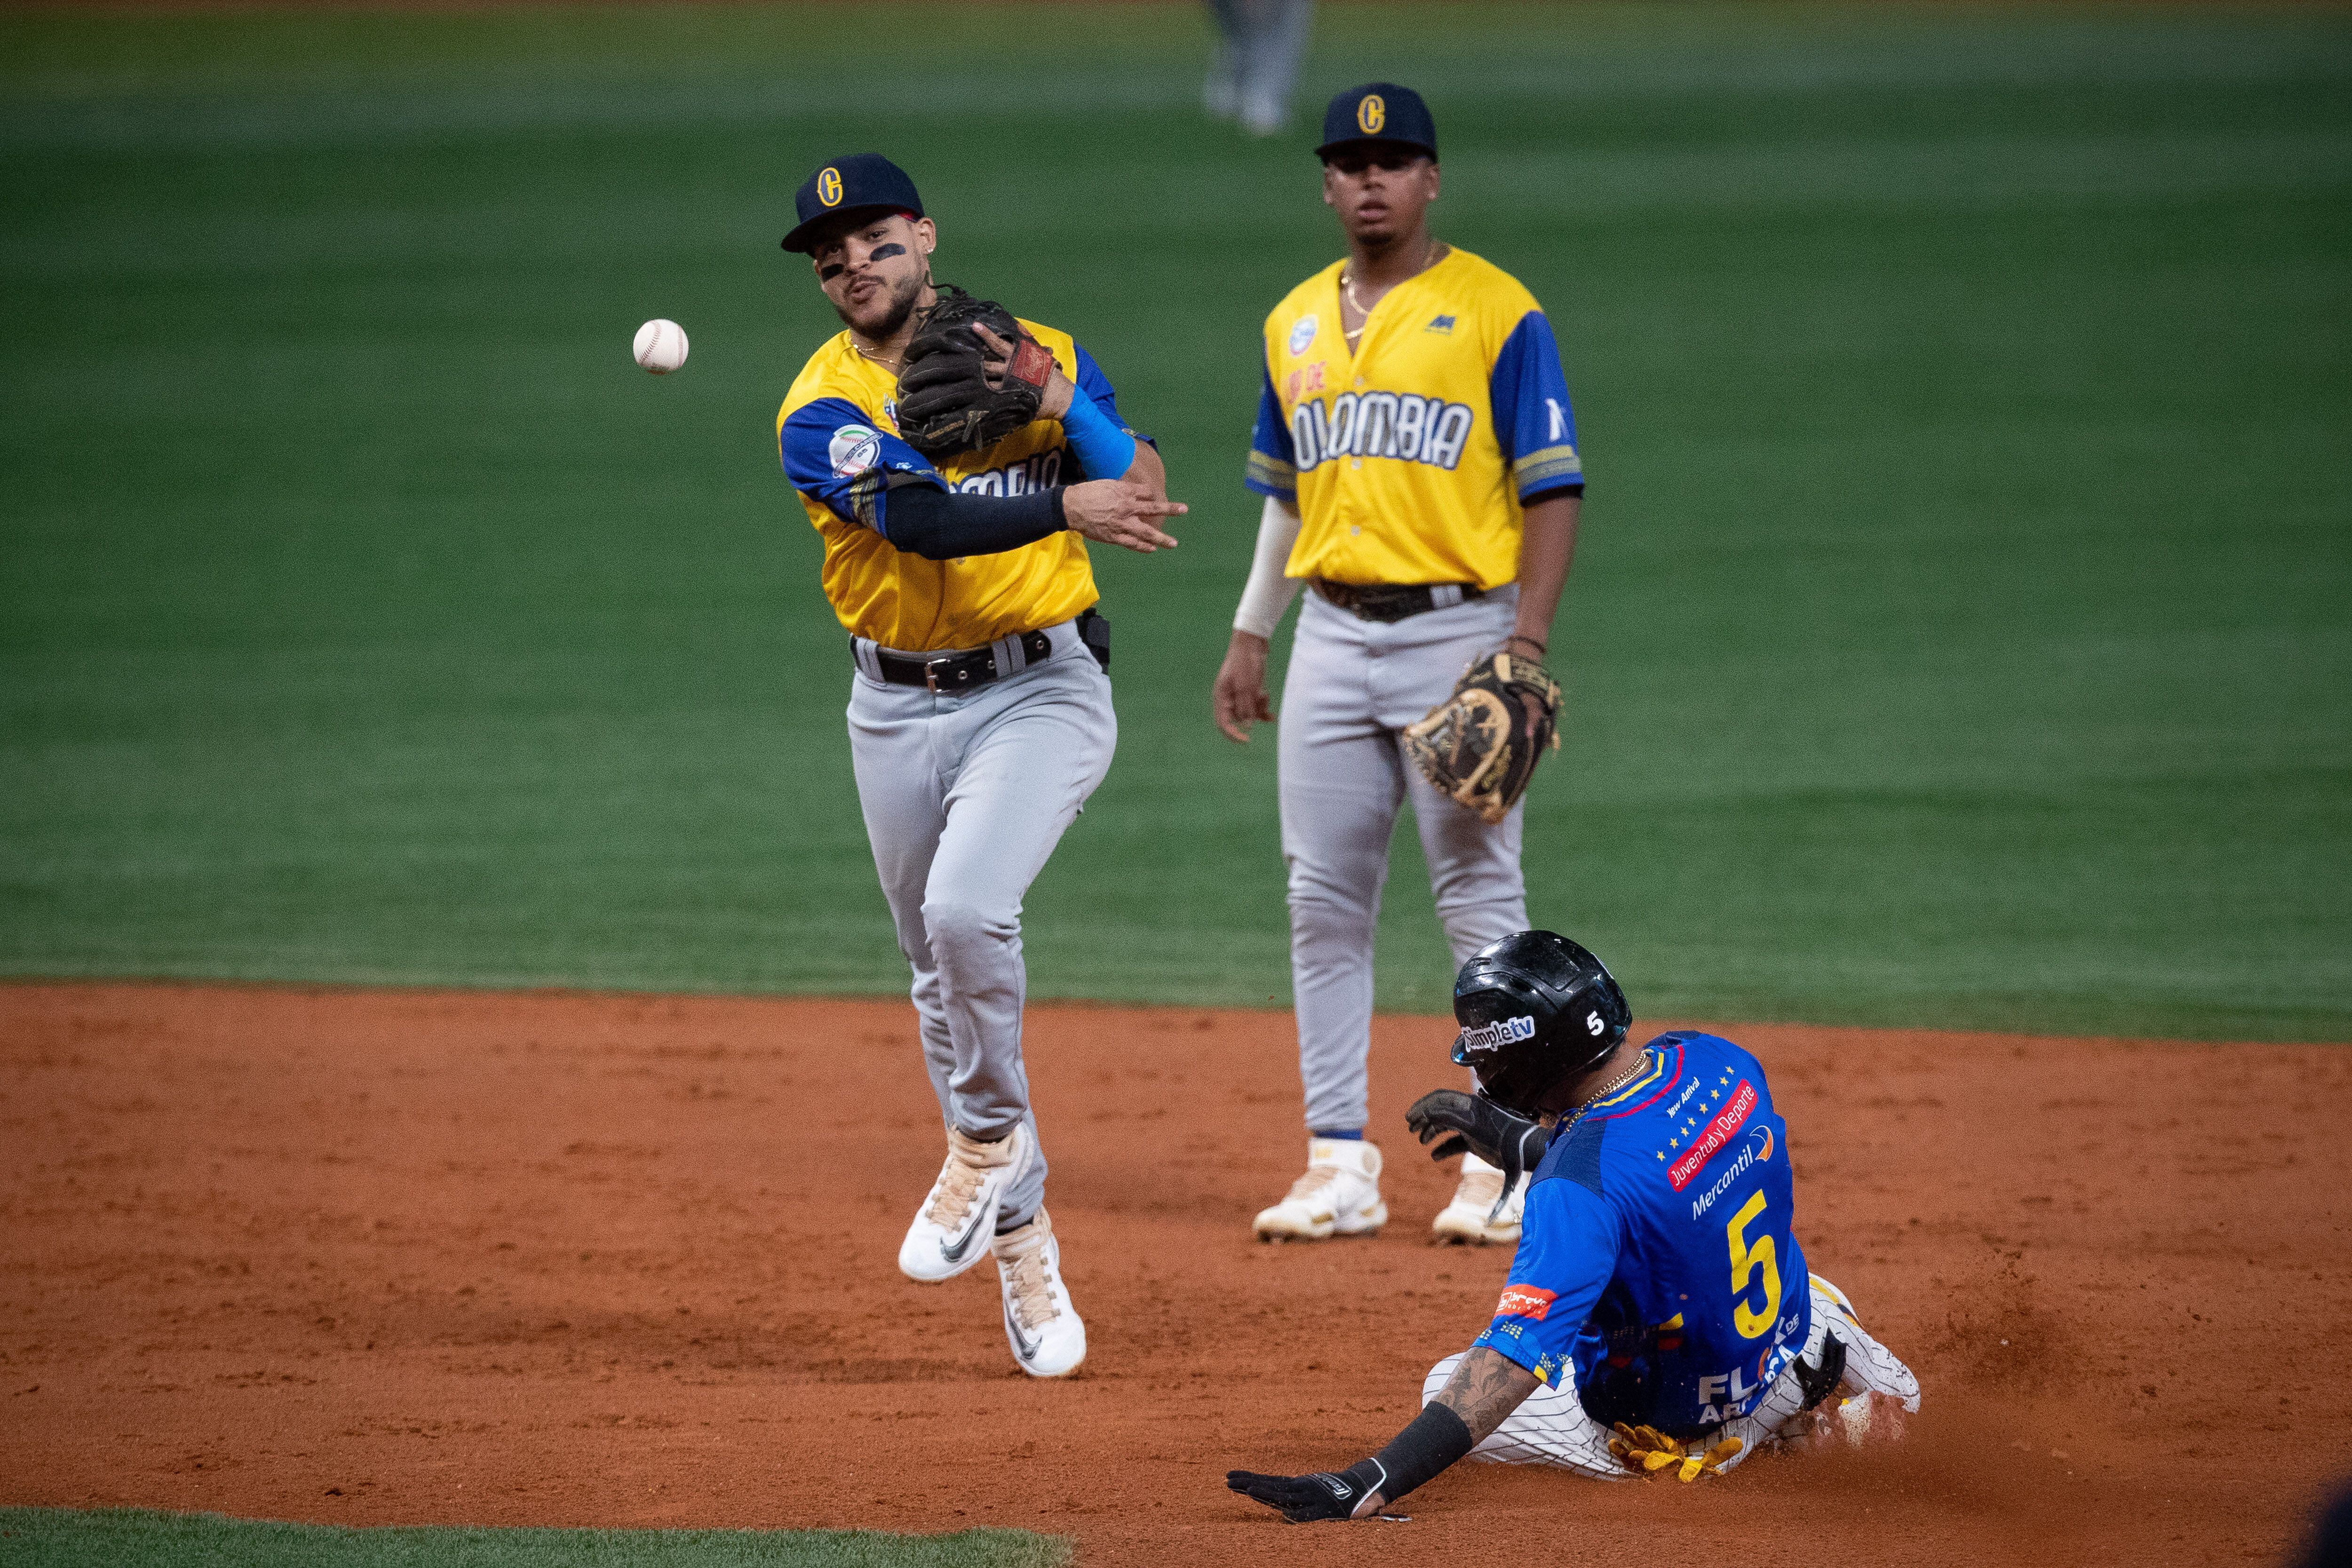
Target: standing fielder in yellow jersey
{"type": "Point", "coordinates": [1417, 452]}
{"type": "Point", "coordinates": [979, 711]}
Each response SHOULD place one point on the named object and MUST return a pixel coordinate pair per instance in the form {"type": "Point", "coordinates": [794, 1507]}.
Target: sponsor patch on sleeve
{"type": "Point", "coordinates": [1525, 1301]}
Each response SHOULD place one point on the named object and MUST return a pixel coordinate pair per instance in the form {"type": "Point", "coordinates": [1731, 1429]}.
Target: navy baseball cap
{"type": "Point", "coordinates": [1378, 111]}
{"type": "Point", "coordinates": [863, 182]}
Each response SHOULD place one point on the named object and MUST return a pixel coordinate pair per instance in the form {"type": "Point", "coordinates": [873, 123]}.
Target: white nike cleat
{"type": "Point", "coordinates": [1048, 1338]}
{"type": "Point", "coordinates": [1339, 1195]}
{"type": "Point", "coordinates": [1471, 1217]}
{"type": "Point", "coordinates": [951, 1232]}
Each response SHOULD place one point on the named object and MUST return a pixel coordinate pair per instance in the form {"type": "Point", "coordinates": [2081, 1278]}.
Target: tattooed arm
{"type": "Point", "coordinates": [1486, 1387]}
{"type": "Point", "coordinates": [1483, 1390]}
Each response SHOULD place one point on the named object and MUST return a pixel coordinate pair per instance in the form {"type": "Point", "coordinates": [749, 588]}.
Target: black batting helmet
{"type": "Point", "coordinates": [1535, 1008]}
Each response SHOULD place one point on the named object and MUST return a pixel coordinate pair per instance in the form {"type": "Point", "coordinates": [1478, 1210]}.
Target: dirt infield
{"type": "Point", "coordinates": [553, 1258]}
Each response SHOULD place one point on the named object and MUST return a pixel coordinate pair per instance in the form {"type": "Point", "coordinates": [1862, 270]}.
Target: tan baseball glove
{"type": "Point", "coordinates": [1480, 746]}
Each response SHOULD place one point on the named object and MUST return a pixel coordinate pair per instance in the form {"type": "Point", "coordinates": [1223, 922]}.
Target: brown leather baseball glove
{"type": "Point", "coordinates": [1480, 746]}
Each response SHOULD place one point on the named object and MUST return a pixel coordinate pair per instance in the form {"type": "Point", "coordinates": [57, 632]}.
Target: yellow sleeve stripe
{"type": "Point", "coordinates": [1546, 466]}
{"type": "Point", "coordinates": [863, 490]}
{"type": "Point", "coordinates": [1274, 473]}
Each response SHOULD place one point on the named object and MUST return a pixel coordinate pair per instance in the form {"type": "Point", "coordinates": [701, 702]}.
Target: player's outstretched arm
{"type": "Point", "coordinates": [1124, 511]}
{"type": "Point", "coordinates": [1121, 511]}
{"type": "Point", "coordinates": [1486, 1388]}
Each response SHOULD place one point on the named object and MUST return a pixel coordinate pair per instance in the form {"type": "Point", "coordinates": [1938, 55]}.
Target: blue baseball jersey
{"type": "Point", "coordinates": [1656, 1261]}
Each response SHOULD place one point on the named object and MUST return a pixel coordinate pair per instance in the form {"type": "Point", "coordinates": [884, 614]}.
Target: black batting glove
{"type": "Point", "coordinates": [1305, 1500]}
{"type": "Point", "coordinates": [1473, 1124]}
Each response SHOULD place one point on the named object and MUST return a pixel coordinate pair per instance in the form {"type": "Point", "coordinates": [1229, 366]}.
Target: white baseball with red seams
{"type": "Point", "coordinates": [660, 346]}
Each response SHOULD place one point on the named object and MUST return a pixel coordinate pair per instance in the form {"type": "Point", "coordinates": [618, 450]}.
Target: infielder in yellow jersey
{"type": "Point", "coordinates": [980, 708]}
{"type": "Point", "coordinates": [1418, 456]}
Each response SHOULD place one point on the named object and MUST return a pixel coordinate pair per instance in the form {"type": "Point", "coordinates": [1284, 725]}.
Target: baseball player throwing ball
{"type": "Point", "coordinates": [1417, 454]}
{"type": "Point", "coordinates": [953, 457]}
{"type": "Point", "coordinates": [1659, 1315]}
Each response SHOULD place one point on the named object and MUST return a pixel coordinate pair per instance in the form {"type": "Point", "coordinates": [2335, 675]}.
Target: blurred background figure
{"type": "Point", "coordinates": [2331, 1540]}
{"type": "Point", "coordinates": [1259, 43]}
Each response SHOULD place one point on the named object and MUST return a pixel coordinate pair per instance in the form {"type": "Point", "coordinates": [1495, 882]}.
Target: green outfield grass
{"type": "Point", "coordinates": [135, 1538]}
{"type": "Point", "coordinates": [1963, 633]}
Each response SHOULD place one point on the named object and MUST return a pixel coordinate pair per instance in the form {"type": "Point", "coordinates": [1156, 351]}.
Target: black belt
{"type": "Point", "coordinates": [1389, 601]}
{"type": "Point", "coordinates": [961, 671]}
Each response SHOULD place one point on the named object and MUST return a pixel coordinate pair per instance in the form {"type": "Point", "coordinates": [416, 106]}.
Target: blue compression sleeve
{"type": "Point", "coordinates": [1103, 449]}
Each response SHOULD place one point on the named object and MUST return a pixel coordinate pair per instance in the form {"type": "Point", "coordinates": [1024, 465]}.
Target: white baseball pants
{"type": "Point", "coordinates": [965, 797]}
{"type": "Point", "coordinates": [1552, 1428]}
{"type": "Point", "coordinates": [1353, 686]}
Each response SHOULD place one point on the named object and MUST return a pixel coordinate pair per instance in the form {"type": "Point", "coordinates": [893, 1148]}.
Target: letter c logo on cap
{"type": "Point", "coordinates": [1372, 114]}
{"type": "Point", "coordinates": [828, 187]}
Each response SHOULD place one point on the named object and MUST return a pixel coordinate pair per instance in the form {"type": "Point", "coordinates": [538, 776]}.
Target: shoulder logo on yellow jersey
{"type": "Point", "coordinates": [1372, 114]}
{"type": "Point", "coordinates": [1302, 333]}
{"type": "Point", "coordinates": [854, 449]}
{"type": "Point", "coordinates": [1381, 424]}
{"type": "Point", "coordinates": [828, 187]}
{"type": "Point", "coordinates": [1441, 324]}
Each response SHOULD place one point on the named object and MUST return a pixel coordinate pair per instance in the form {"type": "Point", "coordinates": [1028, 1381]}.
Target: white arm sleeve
{"type": "Point", "coordinates": [1268, 592]}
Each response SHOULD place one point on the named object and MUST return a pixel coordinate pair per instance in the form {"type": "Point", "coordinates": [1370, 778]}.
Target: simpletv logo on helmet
{"type": "Point", "coordinates": [1508, 1031]}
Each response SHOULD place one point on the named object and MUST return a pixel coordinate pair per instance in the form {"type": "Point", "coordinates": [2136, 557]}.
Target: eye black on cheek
{"type": "Point", "coordinates": [831, 270]}
{"type": "Point", "coordinates": [883, 252]}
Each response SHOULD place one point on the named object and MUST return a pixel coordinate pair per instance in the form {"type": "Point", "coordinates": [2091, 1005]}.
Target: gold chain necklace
{"type": "Point", "coordinates": [1348, 289]}
{"type": "Point", "coordinates": [1628, 1076]}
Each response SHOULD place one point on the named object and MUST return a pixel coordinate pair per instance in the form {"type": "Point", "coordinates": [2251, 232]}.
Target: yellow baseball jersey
{"type": "Point", "coordinates": [1409, 457]}
{"type": "Point", "coordinates": [838, 433]}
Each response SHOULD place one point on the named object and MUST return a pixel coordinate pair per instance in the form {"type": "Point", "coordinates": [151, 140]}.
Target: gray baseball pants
{"type": "Point", "coordinates": [964, 798]}
{"type": "Point", "coordinates": [1352, 686]}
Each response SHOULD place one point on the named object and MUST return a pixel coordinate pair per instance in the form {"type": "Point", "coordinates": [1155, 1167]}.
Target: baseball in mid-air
{"type": "Point", "coordinates": [661, 345]}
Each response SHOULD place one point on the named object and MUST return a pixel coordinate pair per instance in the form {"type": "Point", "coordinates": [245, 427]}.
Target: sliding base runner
{"type": "Point", "coordinates": [1659, 1317]}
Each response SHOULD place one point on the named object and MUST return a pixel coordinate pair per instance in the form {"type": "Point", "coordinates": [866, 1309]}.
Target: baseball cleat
{"type": "Point", "coordinates": [1473, 1216]}
{"type": "Point", "coordinates": [951, 1233]}
{"type": "Point", "coordinates": [1339, 1195]}
{"type": "Point", "coordinates": [1048, 1338]}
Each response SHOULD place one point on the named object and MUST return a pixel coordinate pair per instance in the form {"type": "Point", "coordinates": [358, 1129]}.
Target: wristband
{"type": "Point", "coordinates": [1104, 450]}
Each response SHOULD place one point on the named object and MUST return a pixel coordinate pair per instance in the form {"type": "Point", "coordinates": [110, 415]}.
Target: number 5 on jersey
{"type": "Point", "coordinates": [1745, 1261]}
